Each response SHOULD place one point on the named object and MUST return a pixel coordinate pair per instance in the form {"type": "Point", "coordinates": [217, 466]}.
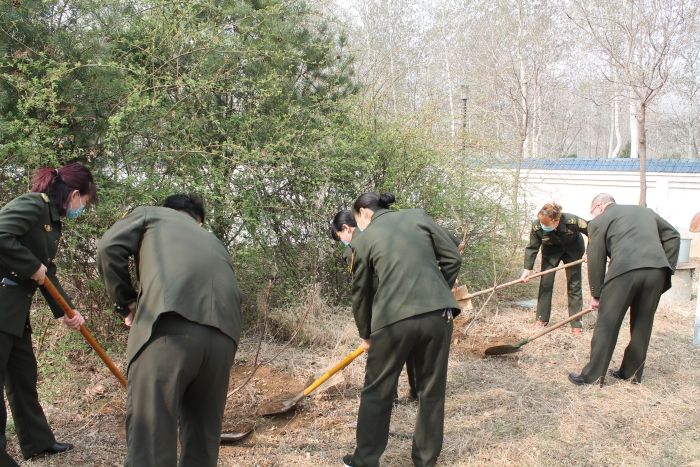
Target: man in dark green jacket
{"type": "Point", "coordinates": [185, 326]}
{"type": "Point", "coordinates": [643, 250]}
{"type": "Point", "coordinates": [416, 263]}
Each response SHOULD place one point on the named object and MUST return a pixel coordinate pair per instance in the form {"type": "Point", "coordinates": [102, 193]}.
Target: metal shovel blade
{"type": "Point", "coordinates": [230, 437]}
{"type": "Point", "coordinates": [501, 349]}
{"type": "Point", "coordinates": [278, 407]}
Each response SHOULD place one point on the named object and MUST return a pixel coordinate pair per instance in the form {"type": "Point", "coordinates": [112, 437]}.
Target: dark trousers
{"type": "Point", "coordinates": [411, 374]}
{"type": "Point", "coordinates": [427, 337]}
{"type": "Point", "coordinates": [182, 375]}
{"type": "Point", "coordinates": [640, 291]}
{"type": "Point", "coordinates": [573, 288]}
{"type": "Point", "coordinates": [18, 376]}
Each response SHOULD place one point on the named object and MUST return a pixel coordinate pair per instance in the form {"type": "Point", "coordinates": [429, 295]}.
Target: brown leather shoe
{"type": "Point", "coordinates": [540, 324]}
{"type": "Point", "coordinates": [577, 332]}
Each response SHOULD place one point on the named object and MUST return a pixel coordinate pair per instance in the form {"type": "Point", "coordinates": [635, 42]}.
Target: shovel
{"type": "Point", "coordinates": [464, 297]}
{"type": "Point", "coordinates": [506, 349]}
{"type": "Point", "coordinates": [83, 330]}
{"type": "Point", "coordinates": [281, 406]}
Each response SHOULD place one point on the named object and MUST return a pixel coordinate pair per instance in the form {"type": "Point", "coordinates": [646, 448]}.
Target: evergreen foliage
{"type": "Point", "coordinates": [250, 104]}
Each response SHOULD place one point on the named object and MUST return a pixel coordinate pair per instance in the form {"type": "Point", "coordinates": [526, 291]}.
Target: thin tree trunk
{"type": "Point", "coordinates": [642, 155]}
{"type": "Point", "coordinates": [611, 141]}
{"type": "Point", "coordinates": [634, 128]}
{"type": "Point", "coordinates": [618, 134]}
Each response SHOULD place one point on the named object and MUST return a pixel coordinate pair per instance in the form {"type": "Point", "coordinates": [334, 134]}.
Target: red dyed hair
{"type": "Point", "coordinates": [551, 212]}
{"type": "Point", "coordinates": [60, 183]}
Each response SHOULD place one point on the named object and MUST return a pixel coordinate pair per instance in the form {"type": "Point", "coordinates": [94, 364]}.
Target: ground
{"type": "Point", "coordinates": [517, 410]}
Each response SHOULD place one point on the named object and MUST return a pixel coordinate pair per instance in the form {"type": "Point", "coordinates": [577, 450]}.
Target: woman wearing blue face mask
{"type": "Point", "coordinates": [560, 236]}
{"type": "Point", "coordinates": [30, 230]}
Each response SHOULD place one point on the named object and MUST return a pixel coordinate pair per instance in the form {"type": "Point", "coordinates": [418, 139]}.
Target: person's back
{"type": "Point", "coordinates": [402, 247]}
{"type": "Point", "coordinates": [184, 333]}
{"type": "Point", "coordinates": [634, 238]}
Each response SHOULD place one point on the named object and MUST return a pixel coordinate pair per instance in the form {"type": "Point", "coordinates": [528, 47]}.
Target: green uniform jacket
{"type": "Point", "coordinates": [181, 267]}
{"type": "Point", "coordinates": [566, 238]}
{"type": "Point", "coordinates": [416, 262]}
{"type": "Point", "coordinates": [633, 237]}
{"type": "Point", "coordinates": [30, 229]}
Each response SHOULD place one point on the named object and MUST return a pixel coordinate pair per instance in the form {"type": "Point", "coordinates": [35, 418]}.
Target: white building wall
{"type": "Point", "coordinates": [674, 196]}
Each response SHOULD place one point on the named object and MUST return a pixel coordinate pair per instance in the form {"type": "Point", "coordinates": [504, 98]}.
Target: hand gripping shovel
{"type": "Point", "coordinates": [83, 330]}
{"type": "Point", "coordinates": [506, 349]}
{"type": "Point", "coordinates": [282, 406]}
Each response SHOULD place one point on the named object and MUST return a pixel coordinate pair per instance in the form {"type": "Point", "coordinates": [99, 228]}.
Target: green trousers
{"type": "Point", "coordinates": [181, 376]}
{"type": "Point", "coordinates": [18, 376]}
{"type": "Point", "coordinates": [573, 288]}
{"type": "Point", "coordinates": [640, 291]}
{"type": "Point", "coordinates": [427, 337]}
{"type": "Point", "coordinates": [411, 374]}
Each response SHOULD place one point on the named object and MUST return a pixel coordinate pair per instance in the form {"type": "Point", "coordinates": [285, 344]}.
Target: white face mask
{"type": "Point", "coordinates": [344, 242]}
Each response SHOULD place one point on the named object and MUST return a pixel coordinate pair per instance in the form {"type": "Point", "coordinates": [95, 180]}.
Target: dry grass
{"type": "Point", "coordinates": [518, 410]}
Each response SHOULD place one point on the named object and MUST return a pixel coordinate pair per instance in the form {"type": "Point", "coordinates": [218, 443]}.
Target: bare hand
{"type": "Point", "coordinates": [75, 322]}
{"type": "Point", "coordinates": [365, 345]}
{"type": "Point", "coordinates": [526, 275]}
{"type": "Point", "coordinates": [595, 303]}
{"type": "Point", "coordinates": [129, 320]}
{"type": "Point", "coordinates": [39, 275]}
{"type": "Point", "coordinates": [585, 258]}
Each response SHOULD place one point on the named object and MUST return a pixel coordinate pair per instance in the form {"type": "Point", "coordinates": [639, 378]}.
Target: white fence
{"type": "Point", "coordinates": [674, 196]}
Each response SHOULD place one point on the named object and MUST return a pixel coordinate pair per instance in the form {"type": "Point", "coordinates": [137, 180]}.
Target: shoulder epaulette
{"type": "Point", "coordinates": [571, 221]}
{"type": "Point", "coordinates": [582, 224]}
{"type": "Point", "coordinates": [45, 197]}
{"type": "Point", "coordinates": [536, 226]}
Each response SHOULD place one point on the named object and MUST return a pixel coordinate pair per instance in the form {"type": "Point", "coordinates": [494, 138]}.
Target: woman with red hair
{"type": "Point", "coordinates": [30, 230]}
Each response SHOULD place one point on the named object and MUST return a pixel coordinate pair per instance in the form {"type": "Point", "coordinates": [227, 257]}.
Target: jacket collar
{"type": "Point", "coordinates": [53, 209]}
{"type": "Point", "coordinates": [380, 212]}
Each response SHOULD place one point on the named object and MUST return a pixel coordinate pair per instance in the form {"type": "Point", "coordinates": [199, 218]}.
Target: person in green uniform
{"type": "Point", "coordinates": [560, 236]}
{"type": "Point", "coordinates": [410, 312]}
{"type": "Point", "coordinates": [30, 230]}
{"type": "Point", "coordinates": [643, 250]}
{"type": "Point", "coordinates": [344, 229]}
{"type": "Point", "coordinates": [185, 324]}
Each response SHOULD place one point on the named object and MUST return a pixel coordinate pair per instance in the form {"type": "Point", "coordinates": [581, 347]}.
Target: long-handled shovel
{"type": "Point", "coordinates": [506, 349]}
{"type": "Point", "coordinates": [464, 297]}
{"type": "Point", "coordinates": [282, 406]}
{"type": "Point", "coordinates": [83, 330]}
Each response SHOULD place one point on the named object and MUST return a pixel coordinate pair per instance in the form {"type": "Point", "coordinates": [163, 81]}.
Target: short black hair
{"type": "Point", "coordinates": [343, 217]}
{"type": "Point", "coordinates": [191, 204]}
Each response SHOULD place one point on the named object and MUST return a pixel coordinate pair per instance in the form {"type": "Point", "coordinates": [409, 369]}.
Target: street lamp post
{"type": "Point", "coordinates": [464, 86]}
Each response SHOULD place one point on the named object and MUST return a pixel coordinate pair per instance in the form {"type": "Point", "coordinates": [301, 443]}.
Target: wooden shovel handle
{"type": "Point", "coordinates": [558, 325]}
{"type": "Point", "coordinates": [334, 370]}
{"type": "Point", "coordinates": [508, 284]}
{"type": "Point", "coordinates": [83, 330]}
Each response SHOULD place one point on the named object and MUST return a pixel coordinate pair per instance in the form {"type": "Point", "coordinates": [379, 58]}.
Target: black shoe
{"type": "Point", "coordinates": [617, 375]}
{"type": "Point", "coordinates": [347, 460]}
{"type": "Point", "coordinates": [55, 448]}
{"type": "Point", "coordinates": [578, 380]}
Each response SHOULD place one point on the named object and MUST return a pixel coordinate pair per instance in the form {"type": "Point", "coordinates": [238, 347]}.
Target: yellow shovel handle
{"type": "Point", "coordinates": [334, 370]}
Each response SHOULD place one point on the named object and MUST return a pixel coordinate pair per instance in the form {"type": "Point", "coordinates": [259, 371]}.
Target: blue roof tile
{"type": "Point", "coordinates": [612, 165]}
